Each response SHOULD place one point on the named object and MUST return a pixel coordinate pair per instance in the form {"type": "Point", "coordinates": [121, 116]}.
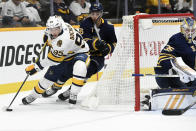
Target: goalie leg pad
{"type": "Point", "coordinates": [172, 98]}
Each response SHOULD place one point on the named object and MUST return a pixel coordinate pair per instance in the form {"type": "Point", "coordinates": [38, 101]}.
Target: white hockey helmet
{"type": "Point", "coordinates": [188, 29]}
{"type": "Point", "coordinates": [54, 22]}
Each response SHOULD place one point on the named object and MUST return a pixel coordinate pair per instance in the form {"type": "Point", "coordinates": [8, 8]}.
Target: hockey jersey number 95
{"type": "Point", "coordinates": [65, 46]}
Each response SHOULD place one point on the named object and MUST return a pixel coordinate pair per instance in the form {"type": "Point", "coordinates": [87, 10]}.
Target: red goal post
{"type": "Point", "coordinates": [136, 41]}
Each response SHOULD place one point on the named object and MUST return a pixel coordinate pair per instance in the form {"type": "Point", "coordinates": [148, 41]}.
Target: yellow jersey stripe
{"type": "Point", "coordinates": [54, 58]}
{"type": "Point", "coordinates": [63, 11]}
{"type": "Point", "coordinates": [86, 39]}
{"type": "Point", "coordinates": [165, 54]}
{"type": "Point", "coordinates": [163, 60]}
{"type": "Point", "coordinates": [160, 57]}
{"type": "Point", "coordinates": [110, 48]}
{"type": "Point", "coordinates": [94, 44]}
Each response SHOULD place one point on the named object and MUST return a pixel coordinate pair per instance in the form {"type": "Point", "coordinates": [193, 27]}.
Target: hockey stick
{"type": "Point", "coordinates": [177, 111]}
{"type": "Point", "coordinates": [96, 30]}
{"type": "Point", "coordinates": [45, 44]}
{"type": "Point", "coordinates": [95, 27]}
{"type": "Point", "coordinates": [155, 75]}
{"type": "Point", "coordinates": [8, 108]}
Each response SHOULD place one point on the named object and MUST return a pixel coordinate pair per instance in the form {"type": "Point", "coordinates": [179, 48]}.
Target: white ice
{"type": "Point", "coordinates": [45, 114]}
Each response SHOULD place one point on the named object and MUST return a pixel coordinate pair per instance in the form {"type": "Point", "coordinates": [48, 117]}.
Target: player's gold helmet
{"type": "Point", "coordinates": [188, 29]}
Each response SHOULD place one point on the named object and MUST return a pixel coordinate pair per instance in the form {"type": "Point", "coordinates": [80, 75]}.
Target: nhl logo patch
{"type": "Point", "coordinates": [59, 43]}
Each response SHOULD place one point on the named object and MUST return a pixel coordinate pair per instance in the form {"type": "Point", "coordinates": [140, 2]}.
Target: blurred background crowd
{"type": "Point", "coordinates": [34, 13]}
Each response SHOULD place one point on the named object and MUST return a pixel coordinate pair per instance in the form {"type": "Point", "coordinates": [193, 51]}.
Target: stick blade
{"type": "Point", "coordinates": [173, 112]}
{"type": "Point", "coordinates": [8, 109]}
{"type": "Point", "coordinates": [4, 108]}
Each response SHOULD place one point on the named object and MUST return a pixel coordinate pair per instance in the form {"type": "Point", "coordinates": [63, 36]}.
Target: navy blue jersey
{"type": "Point", "coordinates": [176, 47]}
{"type": "Point", "coordinates": [106, 32]}
{"type": "Point", "coordinates": [63, 11]}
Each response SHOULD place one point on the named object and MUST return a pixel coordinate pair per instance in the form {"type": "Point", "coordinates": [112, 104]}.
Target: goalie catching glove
{"type": "Point", "coordinates": [32, 69]}
{"type": "Point", "coordinates": [102, 47]}
{"type": "Point", "coordinates": [185, 73]}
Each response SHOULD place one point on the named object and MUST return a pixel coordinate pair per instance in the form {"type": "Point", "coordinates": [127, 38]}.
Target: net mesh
{"type": "Point", "coordinates": [116, 88]}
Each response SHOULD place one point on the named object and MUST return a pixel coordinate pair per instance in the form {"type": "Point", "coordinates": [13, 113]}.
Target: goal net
{"type": "Point", "coordinates": [139, 44]}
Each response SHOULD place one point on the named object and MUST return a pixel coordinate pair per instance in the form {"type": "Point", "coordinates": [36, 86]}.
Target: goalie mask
{"type": "Point", "coordinates": [188, 29]}
{"type": "Point", "coordinates": [54, 26]}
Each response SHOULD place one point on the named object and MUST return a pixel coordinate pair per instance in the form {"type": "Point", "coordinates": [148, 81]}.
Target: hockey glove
{"type": "Point", "coordinates": [103, 47]}
{"type": "Point", "coordinates": [186, 78]}
{"type": "Point", "coordinates": [32, 69]}
{"type": "Point", "coordinates": [186, 73]}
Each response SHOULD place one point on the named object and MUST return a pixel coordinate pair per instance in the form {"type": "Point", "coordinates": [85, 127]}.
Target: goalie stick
{"type": "Point", "coordinates": [177, 111]}
{"type": "Point", "coordinates": [8, 108]}
{"type": "Point", "coordinates": [155, 75]}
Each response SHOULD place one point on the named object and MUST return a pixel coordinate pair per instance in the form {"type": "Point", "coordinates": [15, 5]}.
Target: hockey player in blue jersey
{"type": "Point", "coordinates": [99, 47]}
{"type": "Point", "coordinates": [182, 44]}
{"type": "Point", "coordinates": [177, 57]}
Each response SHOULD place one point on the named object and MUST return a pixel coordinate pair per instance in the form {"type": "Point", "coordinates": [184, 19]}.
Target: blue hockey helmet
{"type": "Point", "coordinates": [96, 6]}
{"type": "Point", "coordinates": [188, 29]}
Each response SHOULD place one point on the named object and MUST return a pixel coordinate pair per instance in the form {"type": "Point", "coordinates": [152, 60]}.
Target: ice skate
{"type": "Point", "coordinates": [49, 92]}
{"type": "Point", "coordinates": [72, 99]}
{"type": "Point", "coordinates": [28, 99]}
{"type": "Point", "coordinates": [145, 104]}
{"type": "Point", "coordinates": [65, 95]}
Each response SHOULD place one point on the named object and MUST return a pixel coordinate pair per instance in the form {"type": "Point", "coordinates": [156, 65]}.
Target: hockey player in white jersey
{"type": "Point", "coordinates": [68, 57]}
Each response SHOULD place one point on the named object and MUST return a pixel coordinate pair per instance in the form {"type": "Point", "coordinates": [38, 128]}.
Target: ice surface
{"type": "Point", "coordinates": [45, 114]}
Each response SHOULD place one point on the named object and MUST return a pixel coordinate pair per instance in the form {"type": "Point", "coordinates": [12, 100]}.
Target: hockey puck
{"type": "Point", "coordinates": [8, 109]}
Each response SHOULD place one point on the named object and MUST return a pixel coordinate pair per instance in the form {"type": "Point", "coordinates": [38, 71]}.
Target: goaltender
{"type": "Point", "coordinates": [181, 45]}
{"type": "Point", "coordinates": [178, 57]}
